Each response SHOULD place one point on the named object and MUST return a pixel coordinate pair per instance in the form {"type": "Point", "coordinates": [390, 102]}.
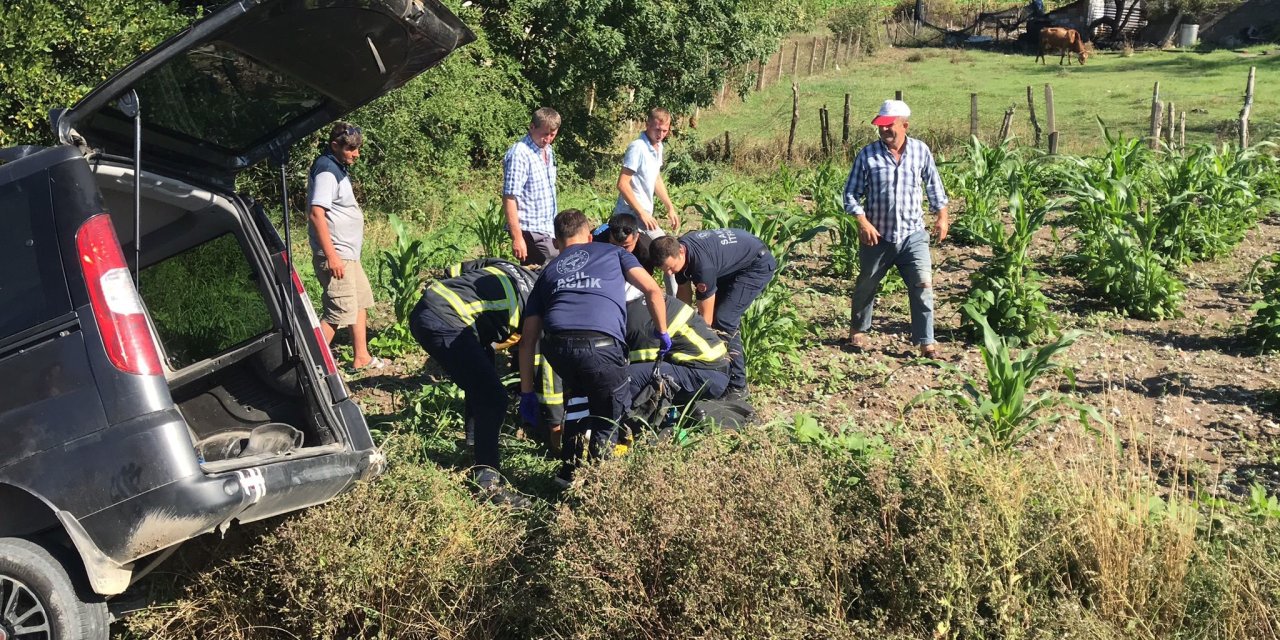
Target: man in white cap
{"type": "Point", "coordinates": [889, 175]}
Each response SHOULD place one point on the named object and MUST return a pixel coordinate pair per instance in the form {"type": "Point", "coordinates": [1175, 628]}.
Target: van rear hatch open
{"type": "Point", "coordinates": [256, 76]}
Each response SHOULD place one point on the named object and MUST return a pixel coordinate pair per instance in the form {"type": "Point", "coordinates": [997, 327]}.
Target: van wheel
{"type": "Point", "coordinates": [39, 600]}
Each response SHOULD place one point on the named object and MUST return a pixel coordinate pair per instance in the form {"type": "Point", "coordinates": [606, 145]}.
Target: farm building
{"type": "Point", "coordinates": [1101, 20]}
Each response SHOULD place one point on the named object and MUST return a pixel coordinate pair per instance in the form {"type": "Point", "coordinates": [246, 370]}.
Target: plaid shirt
{"type": "Point", "coordinates": [531, 177]}
{"type": "Point", "coordinates": [892, 189]}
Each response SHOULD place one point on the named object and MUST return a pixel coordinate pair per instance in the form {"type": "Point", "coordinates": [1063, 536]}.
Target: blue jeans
{"type": "Point", "coordinates": [911, 257]}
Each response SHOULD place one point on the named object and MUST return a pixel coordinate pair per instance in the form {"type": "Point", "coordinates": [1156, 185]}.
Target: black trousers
{"type": "Point", "coordinates": [470, 365]}
{"type": "Point", "coordinates": [734, 293]}
{"type": "Point", "coordinates": [593, 366]}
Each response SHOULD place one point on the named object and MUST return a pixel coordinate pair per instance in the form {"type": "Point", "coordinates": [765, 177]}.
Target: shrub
{"type": "Point", "coordinates": [730, 540]}
{"type": "Point", "coordinates": [57, 50]}
{"type": "Point", "coordinates": [408, 556]}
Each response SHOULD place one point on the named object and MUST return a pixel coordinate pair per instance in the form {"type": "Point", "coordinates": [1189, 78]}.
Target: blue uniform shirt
{"type": "Point", "coordinates": [715, 254]}
{"type": "Point", "coordinates": [582, 290]}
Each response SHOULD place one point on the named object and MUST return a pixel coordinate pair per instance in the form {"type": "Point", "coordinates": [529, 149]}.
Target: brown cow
{"type": "Point", "coordinates": [1064, 40]}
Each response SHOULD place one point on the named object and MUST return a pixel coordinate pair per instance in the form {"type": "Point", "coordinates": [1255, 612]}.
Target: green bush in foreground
{"type": "Point", "coordinates": [773, 533]}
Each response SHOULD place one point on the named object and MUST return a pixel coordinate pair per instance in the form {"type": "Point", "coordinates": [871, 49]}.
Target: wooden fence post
{"type": "Point", "coordinates": [897, 95]}
{"type": "Point", "coordinates": [1004, 126]}
{"type": "Point", "coordinates": [759, 75]}
{"type": "Point", "coordinates": [1049, 120]}
{"type": "Point", "coordinates": [1031, 108]}
{"type": "Point", "coordinates": [1155, 117]}
{"type": "Point", "coordinates": [1169, 126]}
{"type": "Point", "coordinates": [844, 134]}
{"type": "Point", "coordinates": [777, 75]}
{"type": "Point", "coordinates": [826, 46]}
{"type": "Point", "coordinates": [1244, 111]}
{"type": "Point", "coordinates": [795, 117]}
{"type": "Point", "coordinates": [973, 115]}
{"type": "Point", "coordinates": [835, 57]}
{"type": "Point", "coordinates": [795, 59]}
{"type": "Point", "coordinates": [813, 53]}
{"type": "Point", "coordinates": [822, 128]}
{"type": "Point", "coordinates": [727, 154]}
{"type": "Point", "coordinates": [723, 87]}
{"type": "Point", "coordinates": [1182, 130]}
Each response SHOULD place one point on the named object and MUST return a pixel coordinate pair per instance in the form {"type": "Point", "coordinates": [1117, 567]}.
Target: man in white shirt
{"type": "Point", "coordinates": [640, 178]}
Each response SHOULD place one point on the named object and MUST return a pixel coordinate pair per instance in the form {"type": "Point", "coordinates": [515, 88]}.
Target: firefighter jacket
{"type": "Point", "coordinates": [486, 295]}
{"type": "Point", "coordinates": [693, 343]}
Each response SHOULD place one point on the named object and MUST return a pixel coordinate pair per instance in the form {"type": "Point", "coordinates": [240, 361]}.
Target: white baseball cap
{"type": "Point", "coordinates": [891, 110]}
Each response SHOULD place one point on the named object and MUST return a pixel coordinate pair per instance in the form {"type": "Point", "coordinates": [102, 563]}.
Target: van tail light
{"type": "Point", "coordinates": [117, 308]}
{"type": "Point", "coordinates": [330, 367]}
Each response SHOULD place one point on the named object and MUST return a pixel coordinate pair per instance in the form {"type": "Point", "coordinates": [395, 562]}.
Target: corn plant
{"type": "Point", "coordinates": [1006, 291]}
{"type": "Point", "coordinates": [1002, 408]}
{"type": "Point", "coordinates": [1210, 197]}
{"type": "Point", "coordinates": [489, 225]}
{"type": "Point", "coordinates": [772, 333]}
{"type": "Point", "coordinates": [1264, 329]}
{"type": "Point", "coordinates": [402, 272]}
{"type": "Point", "coordinates": [781, 230]}
{"type": "Point", "coordinates": [979, 179]}
{"type": "Point", "coordinates": [826, 188]}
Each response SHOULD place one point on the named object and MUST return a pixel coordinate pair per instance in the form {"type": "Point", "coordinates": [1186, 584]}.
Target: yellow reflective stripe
{"type": "Point", "coordinates": [706, 353]}
{"type": "Point", "coordinates": [454, 270]}
{"type": "Point", "coordinates": [644, 355]}
{"type": "Point", "coordinates": [549, 394]}
{"type": "Point", "coordinates": [509, 303]}
{"type": "Point", "coordinates": [463, 309]}
{"type": "Point", "coordinates": [680, 321]}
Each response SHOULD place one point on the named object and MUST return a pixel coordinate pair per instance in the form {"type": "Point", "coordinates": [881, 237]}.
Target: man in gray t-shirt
{"type": "Point", "coordinates": [336, 232]}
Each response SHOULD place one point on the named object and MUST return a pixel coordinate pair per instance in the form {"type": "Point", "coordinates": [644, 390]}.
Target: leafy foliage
{"type": "Point", "coordinates": [55, 51]}
{"type": "Point", "coordinates": [1264, 329]}
{"type": "Point", "coordinates": [1006, 291]}
{"type": "Point", "coordinates": [402, 272]}
{"type": "Point", "coordinates": [490, 228]}
{"type": "Point", "coordinates": [1001, 408]}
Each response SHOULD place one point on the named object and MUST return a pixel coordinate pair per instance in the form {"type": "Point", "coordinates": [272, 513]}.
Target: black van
{"type": "Point", "coordinates": [163, 370]}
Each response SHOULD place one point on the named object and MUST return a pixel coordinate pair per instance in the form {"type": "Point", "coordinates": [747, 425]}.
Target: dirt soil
{"type": "Point", "coordinates": [1185, 392]}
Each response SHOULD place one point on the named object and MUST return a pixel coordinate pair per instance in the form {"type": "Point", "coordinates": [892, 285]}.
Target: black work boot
{"type": "Point", "coordinates": [492, 487]}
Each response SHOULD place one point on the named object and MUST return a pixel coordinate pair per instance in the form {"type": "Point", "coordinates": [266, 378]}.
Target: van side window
{"type": "Point", "coordinates": [204, 301]}
{"type": "Point", "coordinates": [32, 288]}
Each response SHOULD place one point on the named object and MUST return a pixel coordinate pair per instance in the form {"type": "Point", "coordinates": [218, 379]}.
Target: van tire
{"type": "Point", "coordinates": [70, 610]}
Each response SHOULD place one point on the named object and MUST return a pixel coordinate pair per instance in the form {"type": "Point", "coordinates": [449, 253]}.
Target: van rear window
{"type": "Point", "coordinates": [204, 301]}
{"type": "Point", "coordinates": [32, 287]}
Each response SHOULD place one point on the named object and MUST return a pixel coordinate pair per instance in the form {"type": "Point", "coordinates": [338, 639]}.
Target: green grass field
{"type": "Point", "coordinates": [937, 83]}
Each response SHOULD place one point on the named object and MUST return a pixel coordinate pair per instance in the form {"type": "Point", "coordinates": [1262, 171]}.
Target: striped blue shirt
{"type": "Point", "coordinates": [892, 189]}
{"type": "Point", "coordinates": [529, 174]}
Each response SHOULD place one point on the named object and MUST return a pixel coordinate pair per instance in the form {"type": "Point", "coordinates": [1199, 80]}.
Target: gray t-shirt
{"type": "Point", "coordinates": [329, 187]}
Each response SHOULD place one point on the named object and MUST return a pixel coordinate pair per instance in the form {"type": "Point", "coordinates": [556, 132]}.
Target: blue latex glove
{"type": "Point", "coordinates": [666, 342]}
{"type": "Point", "coordinates": [529, 409]}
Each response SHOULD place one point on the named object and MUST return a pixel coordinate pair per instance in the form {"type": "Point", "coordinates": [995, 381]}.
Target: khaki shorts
{"type": "Point", "coordinates": [343, 297]}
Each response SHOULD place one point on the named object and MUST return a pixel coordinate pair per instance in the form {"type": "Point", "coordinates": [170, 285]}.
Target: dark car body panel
{"type": "Point", "coordinates": [256, 76]}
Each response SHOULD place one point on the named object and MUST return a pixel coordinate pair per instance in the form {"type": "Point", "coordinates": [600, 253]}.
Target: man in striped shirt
{"type": "Point", "coordinates": [529, 190]}
{"type": "Point", "coordinates": [889, 175]}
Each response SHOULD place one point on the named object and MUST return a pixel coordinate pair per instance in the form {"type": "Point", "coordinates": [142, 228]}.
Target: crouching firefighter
{"type": "Point", "coordinates": [697, 366]}
{"type": "Point", "coordinates": [459, 322]}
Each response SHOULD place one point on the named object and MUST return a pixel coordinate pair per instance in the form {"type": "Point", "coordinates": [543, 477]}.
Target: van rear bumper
{"type": "Point", "coordinates": [200, 503]}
